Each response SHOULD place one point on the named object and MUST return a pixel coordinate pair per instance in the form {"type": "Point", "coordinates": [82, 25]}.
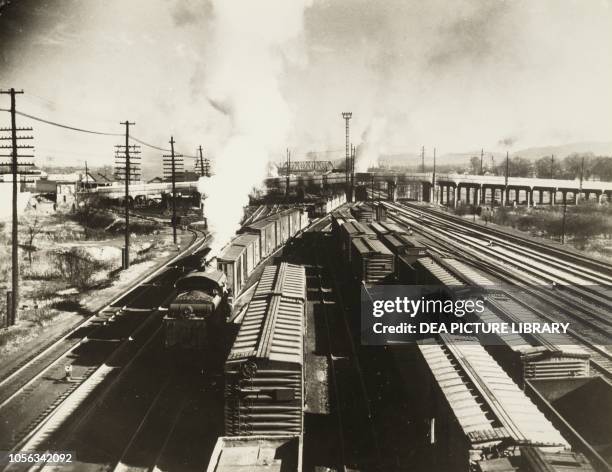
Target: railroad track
{"type": "Point", "coordinates": [34, 391]}
{"type": "Point", "coordinates": [593, 300]}
{"type": "Point", "coordinates": [344, 368]}
{"type": "Point", "coordinates": [524, 242]}
{"type": "Point", "coordinates": [592, 332]}
{"type": "Point", "coordinates": [566, 265]}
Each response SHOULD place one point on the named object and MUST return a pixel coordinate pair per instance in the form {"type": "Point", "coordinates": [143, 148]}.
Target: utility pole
{"type": "Point", "coordinates": [433, 177]}
{"type": "Point", "coordinates": [423, 159]}
{"type": "Point", "coordinates": [581, 179]}
{"type": "Point", "coordinates": [552, 164]}
{"type": "Point", "coordinates": [288, 173]}
{"type": "Point", "coordinates": [481, 158]}
{"type": "Point", "coordinates": [372, 199]}
{"type": "Point", "coordinates": [126, 172]}
{"type": "Point", "coordinates": [506, 179]}
{"type": "Point", "coordinates": [171, 162]}
{"type": "Point", "coordinates": [564, 215]}
{"type": "Point", "coordinates": [86, 178]}
{"type": "Point", "coordinates": [202, 165]}
{"type": "Point", "coordinates": [353, 152]}
{"type": "Point", "coordinates": [347, 115]}
{"type": "Point", "coordinates": [13, 297]}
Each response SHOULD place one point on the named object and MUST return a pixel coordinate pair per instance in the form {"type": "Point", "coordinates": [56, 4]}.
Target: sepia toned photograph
{"type": "Point", "coordinates": [306, 235]}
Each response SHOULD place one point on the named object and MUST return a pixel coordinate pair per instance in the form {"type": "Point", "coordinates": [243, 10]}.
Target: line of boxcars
{"type": "Point", "coordinates": [264, 378]}
{"type": "Point", "coordinates": [255, 242]}
{"type": "Point", "coordinates": [470, 414]}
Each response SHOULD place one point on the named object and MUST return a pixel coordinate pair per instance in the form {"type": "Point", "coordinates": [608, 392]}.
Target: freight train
{"type": "Point", "coordinates": [204, 297]}
{"type": "Point", "coordinates": [255, 243]}
{"type": "Point", "coordinates": [469, 414]}
{"type": "Point", "coordinates": [264, 378]}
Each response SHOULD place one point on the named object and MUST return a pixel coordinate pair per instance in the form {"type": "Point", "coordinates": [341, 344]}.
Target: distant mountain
{"type": "Point", "coordinates": [597, 148]}
{"type": "Point", "coordinates": [463, 158]}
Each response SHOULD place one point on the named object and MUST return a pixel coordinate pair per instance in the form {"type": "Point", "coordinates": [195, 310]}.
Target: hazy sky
{"type": "Point", "coordinates": [457, 74]}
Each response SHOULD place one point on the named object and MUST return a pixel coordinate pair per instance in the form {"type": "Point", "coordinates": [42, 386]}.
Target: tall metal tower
{"type": "Point", "coordinates": [347, 115]}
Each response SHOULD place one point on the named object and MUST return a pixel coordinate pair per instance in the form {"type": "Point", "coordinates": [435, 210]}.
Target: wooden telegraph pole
{"type": "Point", "coordinates": [202, 165]}
{"type": "Point", "coordinates": [14, 164]}
{"type": "Point", "coordinates": [173, 164]}
{"type": "Point", "coordinates": [127, 167]}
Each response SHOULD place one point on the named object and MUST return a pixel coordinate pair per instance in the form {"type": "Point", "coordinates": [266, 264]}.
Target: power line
{"type": "Point", "coordinates": [60, 125]}
{"type": "Point", "coordinates": [88, 131]}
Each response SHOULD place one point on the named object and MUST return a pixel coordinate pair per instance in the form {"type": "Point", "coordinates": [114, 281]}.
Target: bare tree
{"type": "Point", "coordinates": [33, 228]}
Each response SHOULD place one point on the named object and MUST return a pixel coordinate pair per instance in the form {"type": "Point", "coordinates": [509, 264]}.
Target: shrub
{"type": "Point", "coordinates": [77, 267]}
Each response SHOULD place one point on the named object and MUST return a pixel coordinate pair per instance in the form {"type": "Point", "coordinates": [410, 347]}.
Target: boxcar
{"type": "Point", "coordinates": [252, 257]}
{"type": "Point", "coordinates": [283, 227]}
{"type": "Point", "coordinates": [232, 262]}
{"type": "Point", "coordinates": [350, 231]}
{"type": "Point", "coordinates": [524, 357]}
{"type": "Point", "coordinates": [364, 213]}
{"type": "Point", "coordinates": [264, 370]}
{"type": "Point", "coordinates": [372, 262]}
{"type": "Point", "coordinates": [266, 231]}
{"type": "Point", "coordinates": [470, 411]}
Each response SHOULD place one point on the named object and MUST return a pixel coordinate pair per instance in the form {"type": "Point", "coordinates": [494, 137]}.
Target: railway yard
{"type": "Point", "coordinates": [255, 358]}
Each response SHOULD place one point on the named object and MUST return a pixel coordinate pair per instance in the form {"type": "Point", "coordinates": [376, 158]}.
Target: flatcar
{"type": "Point", "coordinates": [264, 378]}
{"type": "Point", "coordinates": [197, 311]}
{"type": "Point", "coordinates": [257, 454]}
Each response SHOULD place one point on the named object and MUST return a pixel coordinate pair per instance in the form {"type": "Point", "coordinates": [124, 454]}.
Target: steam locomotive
{"type": "Point", "coordinates": [198, 312]}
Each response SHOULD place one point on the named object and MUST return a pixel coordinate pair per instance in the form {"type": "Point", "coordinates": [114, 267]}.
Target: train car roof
{"type": "Point", "coordinates": [410, 241]}
{"type": "Point", "coordinates": [245, 239]}
{"type": "Point", "coordinates": [356, 228]}
{"type": "Point", "coordinates": [482, 396]}
{"type": "Point", "coordinates": [377, 227]}
{"type": "Point", "coordinates": [439, 272]}
{"type": "Point", "coordinates": [391, 227]}
{"type": "Point", "coordinates": [231, 253]}
{"type": "Point", "coordinates": [263, 223]}
{"type": "Point", "coordinates": [392, 240]}
{"type": "Point", "coordinates": [272, 328]}
{"type": "Point", "coordinates": [284, 279]}
{"type": "Point", "coordinates": [371, 246]}
{"type": "Point", "coordinates": [503, 308]}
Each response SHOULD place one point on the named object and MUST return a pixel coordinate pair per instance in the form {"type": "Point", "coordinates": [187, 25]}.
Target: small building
{"type": "Point", "coordinates": [62, 188]}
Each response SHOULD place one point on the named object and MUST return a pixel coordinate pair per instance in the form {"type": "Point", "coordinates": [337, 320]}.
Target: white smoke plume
{"type": "Point", "coordinates": [368, 152]}
{"type": "Point", "coordinates": [252, 41]}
